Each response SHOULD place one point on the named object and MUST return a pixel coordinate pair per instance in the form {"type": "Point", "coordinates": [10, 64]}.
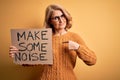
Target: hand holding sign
{"type": "Point", "coordinates": [12, 51]}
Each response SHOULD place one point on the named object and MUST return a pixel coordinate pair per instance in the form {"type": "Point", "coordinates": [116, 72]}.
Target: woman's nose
{"type": "Point", "coordinates": [60, 20]}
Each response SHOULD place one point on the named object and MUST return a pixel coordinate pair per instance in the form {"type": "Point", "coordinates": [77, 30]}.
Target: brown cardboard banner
{"type": "Point", "coordinates": [34, 45]}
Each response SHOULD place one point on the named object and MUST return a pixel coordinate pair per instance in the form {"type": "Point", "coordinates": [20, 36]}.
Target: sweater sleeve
{"type": "Point", "coordinates": [84, 53]}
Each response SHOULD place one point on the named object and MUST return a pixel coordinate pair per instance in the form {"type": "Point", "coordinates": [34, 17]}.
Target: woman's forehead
{"type": "Point", "coordinates": [57, 13]}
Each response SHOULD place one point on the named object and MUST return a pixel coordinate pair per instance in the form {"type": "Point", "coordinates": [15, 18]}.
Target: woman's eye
{"type": "Point", "coordinates": [56, 18]}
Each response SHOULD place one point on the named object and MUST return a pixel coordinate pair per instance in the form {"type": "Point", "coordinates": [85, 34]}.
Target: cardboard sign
{"type": "Point", "coordinates": [34, 45]}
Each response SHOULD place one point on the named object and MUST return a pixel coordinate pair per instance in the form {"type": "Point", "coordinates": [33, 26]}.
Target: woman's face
{"type": "Point", "coordinates": [58, 20]}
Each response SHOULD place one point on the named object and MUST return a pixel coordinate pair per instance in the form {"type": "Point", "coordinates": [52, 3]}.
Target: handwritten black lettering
{"type": "Point", "coordinates": [21, 35]}
{"type": "Point", "coordinates": [30, 35]}
{"type": "Point", "coordinates": [43, 47]}
{"type": "Point", "coordinates": [36, 35]}
{"type": "Point", "coordinates": [42, 56]}
{"type": "Point", "coordinates": [43, 34]}
{"type": "Point", "coordinates": [30, 56]}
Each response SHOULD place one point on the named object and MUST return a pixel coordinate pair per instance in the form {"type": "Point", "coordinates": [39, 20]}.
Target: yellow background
{"type": "Point", "coordinates": [97, 21]}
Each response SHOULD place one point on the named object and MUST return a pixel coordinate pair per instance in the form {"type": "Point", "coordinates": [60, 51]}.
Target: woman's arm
{"type": "Point", "coordinates": [83, 52]}
{"type": "Point", "coordinates": [87, 55]}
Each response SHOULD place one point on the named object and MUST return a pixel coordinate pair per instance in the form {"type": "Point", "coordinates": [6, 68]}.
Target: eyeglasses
{"type": "Point", "coordinates": [57, 18]}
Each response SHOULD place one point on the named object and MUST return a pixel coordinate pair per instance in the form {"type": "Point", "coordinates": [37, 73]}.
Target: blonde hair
{"type": "Point", "coordinates": [48, 14]}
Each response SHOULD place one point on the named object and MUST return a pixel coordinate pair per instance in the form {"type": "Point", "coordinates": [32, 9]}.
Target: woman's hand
{"type": "Point", "coordinates": [12, 51]}
{"type": "Point", "coordinates": [73, 45]}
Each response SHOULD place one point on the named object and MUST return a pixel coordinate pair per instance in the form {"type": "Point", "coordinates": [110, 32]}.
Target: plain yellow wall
{"type": "Point", "coordinates": [97, 21]}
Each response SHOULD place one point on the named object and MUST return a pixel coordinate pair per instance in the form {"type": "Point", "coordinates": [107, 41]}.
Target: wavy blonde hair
{"type": "Point", "coordinates": [48, 14]}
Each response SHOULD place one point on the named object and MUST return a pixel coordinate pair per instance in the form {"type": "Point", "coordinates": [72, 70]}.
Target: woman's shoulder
{"type": "Point", "coordinates": [76, 37]}
{"type": "Point", "coordinates": [73, 34]}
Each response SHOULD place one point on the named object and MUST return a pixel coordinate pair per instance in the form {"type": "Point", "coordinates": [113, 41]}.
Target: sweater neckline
{"type": "Point", "coordinates": [60, 36]}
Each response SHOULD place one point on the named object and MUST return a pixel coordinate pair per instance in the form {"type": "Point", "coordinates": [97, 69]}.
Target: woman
{"type": "Point", "coordinates": [66, 46]}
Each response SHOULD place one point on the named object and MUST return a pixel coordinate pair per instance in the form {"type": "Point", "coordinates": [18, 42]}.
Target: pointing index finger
{"type": "Point", "coordinates": [65, 42]}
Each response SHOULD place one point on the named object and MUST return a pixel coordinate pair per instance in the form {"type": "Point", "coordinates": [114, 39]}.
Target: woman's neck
{"type": "Point", "coordinates": [60, 32]}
